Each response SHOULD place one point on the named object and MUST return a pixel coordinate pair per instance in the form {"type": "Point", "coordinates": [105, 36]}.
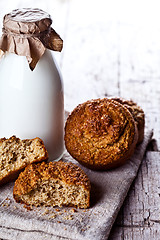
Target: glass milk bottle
{"type": "Point", "coordinates": [31, 89]}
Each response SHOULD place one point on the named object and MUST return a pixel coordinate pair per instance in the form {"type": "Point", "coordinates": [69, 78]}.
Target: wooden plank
{"type": "Point", "coordinates": [139, 217]}
{"type": "Point", "coordinates": [90, 59]}
{"type": "Point", "coordinates": [139, 69]}
{"type": "Point", "coordinates": [148, 98]}
{"type": "Point", "coordinates": [136, 233]}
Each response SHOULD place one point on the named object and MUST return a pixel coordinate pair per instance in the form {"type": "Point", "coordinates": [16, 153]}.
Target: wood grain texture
{"type": "Point", "coordinates": [112, 48]}
{"type": "Point", "coordinates": [139, 217]}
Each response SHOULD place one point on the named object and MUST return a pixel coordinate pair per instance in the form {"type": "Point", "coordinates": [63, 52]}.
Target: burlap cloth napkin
{"type": "Point", "coordinates": [109, 190]}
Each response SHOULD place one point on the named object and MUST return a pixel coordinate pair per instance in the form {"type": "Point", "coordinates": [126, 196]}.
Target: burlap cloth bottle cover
{"type": "Point", "coordinates": [28, 32]}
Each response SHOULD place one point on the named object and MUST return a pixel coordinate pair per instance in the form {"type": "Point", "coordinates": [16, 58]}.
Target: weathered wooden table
{"type": "Point", "coordinates": [112, 48]}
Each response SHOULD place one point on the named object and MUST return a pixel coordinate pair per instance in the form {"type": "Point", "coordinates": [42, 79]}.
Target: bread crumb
{"type": "Point", "coordinates": [73, 210]}
{"type": "Point", "coordinates": [5, 204]}
{"type": "Point", "coordinates": [29, 208]}
{"type": "Point", "coordinates": [46, 211]}
{"type": "Point", "coordinates": [68, 217]}
{"type": "Point", "coordinates": [52, 216]}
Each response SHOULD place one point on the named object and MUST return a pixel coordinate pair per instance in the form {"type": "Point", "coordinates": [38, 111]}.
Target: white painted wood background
{"type": "Point", "coordinates": [112, 48]}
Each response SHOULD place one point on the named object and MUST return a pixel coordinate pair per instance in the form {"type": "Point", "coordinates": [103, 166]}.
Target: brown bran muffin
{"type": "Point", "coordinates": [138, 115]}
{"type": "Point", "coordinates": [53, 184]}
{"type": "Point", "coordinates": [16, 154]}
{"type": "Point", "coordinates": [101, 134]}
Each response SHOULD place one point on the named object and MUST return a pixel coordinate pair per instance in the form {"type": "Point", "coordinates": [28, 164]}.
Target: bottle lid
{"type": "Point", "coordinates": [27, 32]}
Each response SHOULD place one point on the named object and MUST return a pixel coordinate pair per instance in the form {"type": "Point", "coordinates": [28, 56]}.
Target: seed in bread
{"type": "Point", "coordinates": [16, 154]}
{"type": "Point", "coordinates": [53, 184]}
{"type": "Point", "coordinates": [101, 134]}
{"type": "Point", "coordinates": [138, 115]}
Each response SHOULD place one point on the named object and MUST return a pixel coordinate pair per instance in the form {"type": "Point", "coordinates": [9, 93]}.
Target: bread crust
{"type": "Point", "coordinates": [138, 115]}
{"type": "Point", "coordinates": [35, 174]}
{"type": "Point", "coordinates": [13, 174]}
{"type": "Point", "coordinates": [101, 134]}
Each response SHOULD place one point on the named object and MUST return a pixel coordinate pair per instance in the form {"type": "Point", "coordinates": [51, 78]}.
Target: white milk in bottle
{"type": "Point", "coordinates": [31, 89]}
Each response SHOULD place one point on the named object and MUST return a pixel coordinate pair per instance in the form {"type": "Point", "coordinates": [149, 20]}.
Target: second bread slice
{"type": "Point", "coordinates": [16, 154]}
{"type": "Point", "coordinates": [53, 184]}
